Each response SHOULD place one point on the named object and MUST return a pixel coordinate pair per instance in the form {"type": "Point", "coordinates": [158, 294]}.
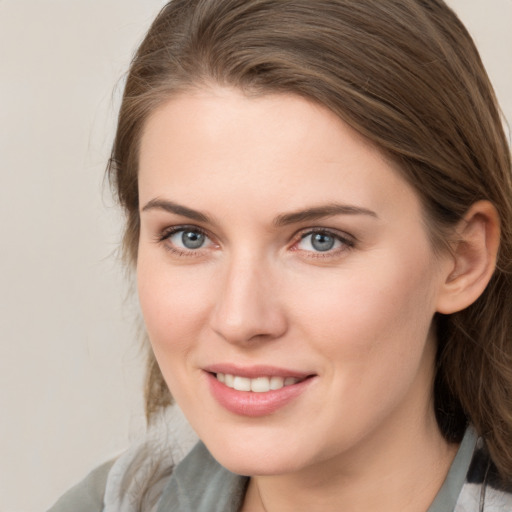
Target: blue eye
{"type": "Point", "coordinates": [318, 241]}
{"type": "Point", "coordinates": [189, 239]}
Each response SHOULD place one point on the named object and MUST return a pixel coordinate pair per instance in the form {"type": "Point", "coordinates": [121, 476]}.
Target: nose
{"type": "Point", "coordinates": [248, 308]}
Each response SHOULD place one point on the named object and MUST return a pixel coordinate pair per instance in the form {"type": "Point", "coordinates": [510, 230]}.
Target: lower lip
{"type": "Point", "coordinates": [249, 403]}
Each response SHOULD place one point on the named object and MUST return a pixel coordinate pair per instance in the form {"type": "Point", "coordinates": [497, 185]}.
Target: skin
{"type": "Point", "coordinates": [363, 435]}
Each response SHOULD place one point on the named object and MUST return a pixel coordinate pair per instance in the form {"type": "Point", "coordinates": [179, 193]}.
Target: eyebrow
{"type": "Point", "coordinates": [285, 219]}
{"type": "Point", "coordinates": [321, 212]}
{"type": "Point", "coordinates": [178, 209]}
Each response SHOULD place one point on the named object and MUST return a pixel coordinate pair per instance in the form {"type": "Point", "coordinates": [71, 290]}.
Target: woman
{"type": "Point", "coordinates": [319, 201]}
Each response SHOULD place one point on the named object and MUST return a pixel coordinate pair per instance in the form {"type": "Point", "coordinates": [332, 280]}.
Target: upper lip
{"type": "Point", "coordinates": [252, 372]}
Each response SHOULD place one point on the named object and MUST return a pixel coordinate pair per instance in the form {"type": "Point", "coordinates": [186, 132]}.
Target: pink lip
{"type": "Point", "coordinates": [248, 403]}
{"type": "Point", "coordinates": [251, 372]}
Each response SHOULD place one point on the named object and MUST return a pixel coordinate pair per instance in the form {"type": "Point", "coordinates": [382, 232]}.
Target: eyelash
{"type": "Point", "coordinates": [166, 234]}
{"type": "Point", "coordinates": [348, 242]}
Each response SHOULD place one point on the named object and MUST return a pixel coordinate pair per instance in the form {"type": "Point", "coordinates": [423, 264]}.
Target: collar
{"type": "Point", "coordinates": [200, 484]}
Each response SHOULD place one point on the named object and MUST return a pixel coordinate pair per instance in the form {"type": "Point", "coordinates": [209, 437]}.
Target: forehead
{"type": "Point", "coordinates": [276, 150]}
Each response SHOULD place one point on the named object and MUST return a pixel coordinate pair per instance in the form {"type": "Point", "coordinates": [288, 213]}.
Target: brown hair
{"type": "Point", "coordinates": [407, 76]}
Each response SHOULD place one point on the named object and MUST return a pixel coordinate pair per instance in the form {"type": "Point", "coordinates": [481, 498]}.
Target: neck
{"type": "Point", "coordinates": [385, 472]}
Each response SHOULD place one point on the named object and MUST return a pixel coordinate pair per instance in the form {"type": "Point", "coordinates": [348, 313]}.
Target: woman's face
{"type": "Point", "coordinates": [286, 280]}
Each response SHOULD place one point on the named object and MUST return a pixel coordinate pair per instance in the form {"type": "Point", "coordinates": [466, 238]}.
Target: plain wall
{"type": "Point", "coordinates": [70, 362]}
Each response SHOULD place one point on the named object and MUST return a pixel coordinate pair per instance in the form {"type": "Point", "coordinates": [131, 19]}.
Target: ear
{"type": "Point", "coordinates": [473, 258]}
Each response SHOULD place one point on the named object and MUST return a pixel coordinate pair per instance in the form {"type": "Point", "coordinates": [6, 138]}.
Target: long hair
{"type": "Point", "coordinates": [407, 76]}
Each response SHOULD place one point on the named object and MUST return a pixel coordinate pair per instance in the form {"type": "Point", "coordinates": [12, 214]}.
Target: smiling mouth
{"type": "Point", "coordinates": [257, 385]}
{"type": "Point", "coordinates": [256, 391]}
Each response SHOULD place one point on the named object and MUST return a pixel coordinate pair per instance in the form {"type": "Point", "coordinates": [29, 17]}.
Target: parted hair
{"type": "Point", "coordinates": [407, 76]}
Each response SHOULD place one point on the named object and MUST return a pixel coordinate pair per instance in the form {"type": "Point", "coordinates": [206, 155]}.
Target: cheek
{"type": "Point", "coordinates": [373, 330]}
{"type": "Point", "coordinates": [174, 304]}
{"type": "Point", "coordinates": [378, 312]}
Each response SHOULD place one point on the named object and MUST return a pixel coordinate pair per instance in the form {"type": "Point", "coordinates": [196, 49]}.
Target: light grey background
{"type": "Point", "coordinates": [70, 361]}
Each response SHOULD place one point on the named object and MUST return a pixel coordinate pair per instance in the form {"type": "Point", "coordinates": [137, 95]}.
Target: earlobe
{"type": "Point", "coordinates": [474, 258]}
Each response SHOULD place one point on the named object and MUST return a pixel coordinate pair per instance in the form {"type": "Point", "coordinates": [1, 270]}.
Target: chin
{"type": "Point", "coordinates": [262, 464]}
{"type": "Point", "coordinates": [256, 455]}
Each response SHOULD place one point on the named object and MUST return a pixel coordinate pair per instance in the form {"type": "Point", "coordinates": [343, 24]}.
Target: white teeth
{"type": "Point", "coordinates": [257, 385]}
{"type": "Point", "coordinates": [242, 384]}
{"type": "Point", "coordinates": [276, 382]}
{"type": "Point", "coordinates": [260, 385]}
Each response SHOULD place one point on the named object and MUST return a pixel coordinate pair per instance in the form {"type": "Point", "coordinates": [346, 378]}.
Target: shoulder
{"type": "Point", "coordinates": [86, 496]}
{"type": "Point", "coordinates": [484, 490]}
{"type": "Point", "coordinates": [201, 484]}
